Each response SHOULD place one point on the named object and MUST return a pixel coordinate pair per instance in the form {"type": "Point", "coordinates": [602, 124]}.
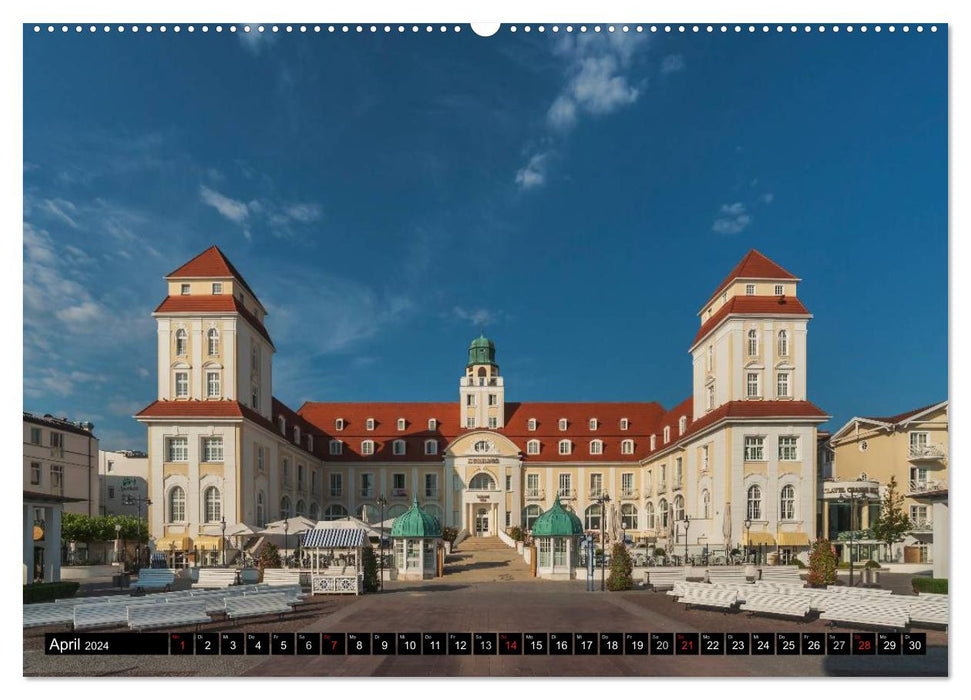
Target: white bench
{"type": "Point", "coordinates": [256, 605]}
{"type": "Point", "coordinates": [216, 578]}
{"type": "Point", "coordinates": [665, 579]}
{"type": "Point", "coordinates": [679, 588]}
{"type": "Point", "coordinates": [161, 579]}
{"type": "Point", "coordinates": [933, 596]}
{"type": "Point", "coordinates": [714, 598]}
{"type": "Point", "coordinates": [853, 590]}
{"type": "Point", "coordinates": [281, 577]}
{"type": "Point", "coordinates": [781, 573]}
{"type": "Point", "coordinates": [777, 604]}
{"type": "Point", "coordinates": [293, 593]}
{"type": "Point", "coordinates": [90, 616]}
{"type": "Point", "coordinates": [43, 614]}
{"type": "Point", "coordinates": [927, 610]}
{"type": "Point", "coordinates": [727, 577]}
{"type": "Point", "coordinates": [143, 617]}
{"type": "Point", "coordinates": [873, 612]}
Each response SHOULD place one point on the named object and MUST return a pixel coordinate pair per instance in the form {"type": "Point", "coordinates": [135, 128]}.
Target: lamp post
{"type": "Point", "coordinates": [117, 547]}
{"type": "Point", "coordinates": [138, 501]}
{"type": "Point", "coordinates": [748, 539]}
{"type": "Point", "coordinates": [222, 542]}
{"type": "Point", "coordinates": [602, 502]}
{"type": "Point", "coordinates": [852, 499]}
{"type": "Point", "coordinates": [687, 523]}
{"type": "Point", "coordinates": [382, 502]}
{"type": "Point", "coordinates": [286, 540]}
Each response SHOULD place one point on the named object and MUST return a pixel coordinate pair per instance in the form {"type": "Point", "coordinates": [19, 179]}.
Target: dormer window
{"type": "Point", "coordinates": [532, 447]}
{"type": "Point", "coordinates": [682, 425]}
{"type": "Point", "coordinates": [627, 447]}
{"type": "Point", "coordinates": [563, 423]}
{"type": "Point", "coordinates": [750, 290]}
{"type": "Point", "coordinates": [185, 290]}
{"type": "Point", "coordinates": [217, 287]}
{"type": "Point", "coordinates": [310, 443]}
{"type": "Point", "coordinates": [531, 424]}
{"type": "Point", "coordinates": [432, 424]}
{"type": "Point", "coordinates": [339, 424]}
{"type": "Point", "coordinates": [565, 447]}
{"type": "Point", "coordinates": [596, 447]}
{"type": "Point", "coordinates": [336, 447]}
{"type": "Point", "coordinates": [593, 424]}
{"type": "Point", "coordinates": [779, 290]}
{"type": "Point", "coordinates": [398, 447]}
{"type": "Point", "coordinates": [653, 442]}
{"type": "Point", "coordinates": [369, 424]}
{"type": "Point", "coordinates": [367, 447]}
{"type": "Point", "coordinates": [296, 434]}
{"type": "Point", "coordinates": [431, 447]}
{"type": "Point", "coordinates": [667, 434]}
{"type": "Point", "coordinates": [401, 424]}
{"type": "Point", "coordinates": [282, 422]}
{"type": "Point", "coordinates": [624, 424]}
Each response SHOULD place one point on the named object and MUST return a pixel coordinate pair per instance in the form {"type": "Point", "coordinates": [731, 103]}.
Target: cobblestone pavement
{"type": "Point", "coordinates": [506, 606]}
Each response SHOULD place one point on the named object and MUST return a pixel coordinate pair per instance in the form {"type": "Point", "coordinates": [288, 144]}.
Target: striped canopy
{"type": "Point", "coordinates": [335, 538]}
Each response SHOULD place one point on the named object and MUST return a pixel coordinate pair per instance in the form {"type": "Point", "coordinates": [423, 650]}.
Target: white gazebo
{"type": "Point", "coordinates": [557, 533]}
{"type": "Point", "coordinates": [335, 559]}
{"type": "Point", "coordinates": [416, 535]}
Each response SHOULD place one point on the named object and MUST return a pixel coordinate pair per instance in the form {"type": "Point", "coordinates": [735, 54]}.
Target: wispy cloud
{"type": "Point", "coordinates": [672, 63]}
{"type": "Point", "coordinates": [233, 209]}
{"type": "Point", "coordinates": [732, 218]}
{"type": "Point", "coordinates": [278, 218]}
{"type": "Point", "coordinates": [768, 197]}
{"type": "Point", "coordinates": [533, 174]}
{"type": "Point", "coordinates": [477, 317]}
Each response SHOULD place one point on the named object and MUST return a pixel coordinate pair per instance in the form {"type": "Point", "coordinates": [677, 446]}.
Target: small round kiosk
{"type": "Point", "coordinates": [556, 533]}
{"type": "Point", "coordinates": [415, 536]}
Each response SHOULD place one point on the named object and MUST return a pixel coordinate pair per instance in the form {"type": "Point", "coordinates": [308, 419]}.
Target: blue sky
{"type": "Point", "coordinates": [579, 197]}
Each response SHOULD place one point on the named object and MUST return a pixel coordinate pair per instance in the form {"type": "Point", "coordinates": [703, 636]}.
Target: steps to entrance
{"type": "Point", "coordinates": [482, 543]}
{"type": "Point", "coordinates": [485, 559]}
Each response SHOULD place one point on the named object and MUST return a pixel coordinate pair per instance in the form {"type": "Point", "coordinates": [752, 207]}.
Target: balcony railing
{"type": "Point", "coordinates": [535, 494]}
{"type": "Point", "coordinates": [927, 485]}
{"type": "Point", "coordinates": [596, 493]}
{"type": "Point", "coordinates": [337, 493]}
{"type": "Point", "coordinates": [567, 493]}
{"type": "Point", "coordinates": [676, 485]}
{"type": "Point", "coordinates": [367, 493]}
{"type": "Point", "coordinates": [399, 493]}
{"type": "Point", "coordinates": [431, 493]}
{"type": "Point", "coordinates": [481, 381]}
{"type": "Point", "coordinates": [629, 494]}
{"type": "Point", "coordinates": [926, 452]}
{"type": "Point", "coordinates": [662, 487]}
{"type": "Point", "coordinates": [921, 525]}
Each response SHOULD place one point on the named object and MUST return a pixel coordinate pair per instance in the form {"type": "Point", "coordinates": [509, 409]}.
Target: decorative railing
{"type": "Point", "coordinates": [399, 493]}
{"type": "Point", "coordinates": [431, 493]}
{"type": "Point", "coordinates": [337, 493]}
{"type": "Point", "coordinates": [596, 493]}
{"type": "Point", "coordinates": [927, 485]}
{"type": "Point", "coordinates": [338, 583]}
{"type": "Point", "coordinates": [629, 493]}
{"type": "Point", "coordinates": [535, 494]}
{"type": "Point", "coordinates": [567, 493]}
{"type": "Point", "coordinates": [921, 525]}
{"type": "Point", "coordinates": [926, 451]}
{"type": "Point", "coordinates": [662, 487]}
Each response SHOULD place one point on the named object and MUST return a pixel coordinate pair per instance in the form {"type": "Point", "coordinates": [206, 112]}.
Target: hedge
{"type": "Point", "coordinates": [925, 584]}
{"type": "Point", "coordinates": [41, 592]}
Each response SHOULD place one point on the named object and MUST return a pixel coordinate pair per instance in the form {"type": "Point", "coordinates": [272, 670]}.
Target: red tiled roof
{"type": "Point", "coordinates": [203, 303]}
{"type": "Point", "coordinates": [210, 263]}
{"type": "Point", "coordinates": [751, 305]}
{"type": "Point", "coordinates": [754, 266]}
{"type": "Point", "coordinates": [900, 417]}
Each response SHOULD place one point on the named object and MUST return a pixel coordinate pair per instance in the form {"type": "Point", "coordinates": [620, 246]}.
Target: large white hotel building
{"type": "Point", "coordinates": [741, 447]}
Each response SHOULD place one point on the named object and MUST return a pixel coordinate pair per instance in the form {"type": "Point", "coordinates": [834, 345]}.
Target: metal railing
{"type": "Point", "coordinates": [535, 494]}
{"type": "Point", "coordinates": [596, 493]}
{"type": "Point", "coordinates": [662, 487]}
{"type": "Point", "coordinates": [629, 493]}
{"type": "Point", "coordinates": [399, 493]}
{"type": "Point", "coordinates": [925, 485]}
{"type": "Point", "coordinates": [567, 493]}
{"type": "Point", "coordinates": [921, 525]}
{"type": "Point", "coordinates": [337, 493]}
{"type": "Point", "coordinates": [431, 493]}
{"type": "Point", "coordinates": [926, 452]}
{"type": "Point", "coordinates": [367, 493]}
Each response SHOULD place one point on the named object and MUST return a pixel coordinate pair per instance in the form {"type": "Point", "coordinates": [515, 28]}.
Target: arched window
{"type": "Point", "coordinates": [649, 516]}
{"type": "Point", "coordinates": [177, 505]}
{"type": "Point", "coordinates": [753, 342]}
{"type": "Point", "coordinates": [212, 341]}
{"type": "Point", "coordinates": [783, 344]}
{"type": "Point", "coordinates": [565, 447]}
{"type": "Point", "coordinates": [628, 516]}
{"type": "Point", "coordinates": [532, 447]}
{"type": "Point", "coordinates": [396, 510]}
{"type": "Point", "coordinates": [679, 508]}
{"type": "Point", "coordinates": [314, 511]}
{"type": "Point", "coordinates": [369, 513]}
{"type": "Point", "coordinates": [530, 513]}
{"type": "Point", "coordinates": [627, 447]}
{"type": "Point", "coordinates": [301, 507]}
{"type": "Point", "coordinates": [181, 342]}
{"type": "Point", "coordinates": [260, 512]}
{"type": "Point", "coordinates": [705, 504]}
{"type": "Point", "coordinates": [334, 512]}
{"type": "Point", "coordinates": [213, 503]}
{"type": "Point", "coordinates": [285, 508]}
{"type": "Point", "coordinates": [482, 482]}
{"type": "Point", "coordinates": [592, 518]}
{"type": "Point", "coordinates": [754, 502]}
{"type": "Point", "coordinates": [596, 447]}
{"type": "Point", "coordinates": [787, 503]}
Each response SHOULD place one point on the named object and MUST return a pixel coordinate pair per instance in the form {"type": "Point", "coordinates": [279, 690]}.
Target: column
{"type": "Point", "coordinates": [28, 543]}
{"type": "Point", "coordinates": [52, 543]}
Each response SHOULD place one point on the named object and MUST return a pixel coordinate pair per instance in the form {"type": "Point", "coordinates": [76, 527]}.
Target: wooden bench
{"type": "Point", "coordinates": [665, 579]}
{"type": "Point", "coordinates": [143, 617]}
{"type": "Point", "coordinates": [160, 579]}
{"type": "Point", "coordinates": [713, 598]}
{"type": "Point", "coordinates": [257, 605]}
{"type": "Point", "coordinates": [216, 578]}
{"type": "Point", "coordinates": [281, 577]}
{"type": "Point", "coordinates": [777, 604]}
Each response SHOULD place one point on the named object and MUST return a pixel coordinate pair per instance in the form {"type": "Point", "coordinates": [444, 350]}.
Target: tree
{"type": "Point", "coordinates": [370, 564]}
{"type": "Point", "coordinates": [621, 568]}
{"type": "Point", "coordinates": [269, 558]}
{"type": "Point", "coordinates": [822, 564]}
{"type": "Point", "coordinates": [893, 522]}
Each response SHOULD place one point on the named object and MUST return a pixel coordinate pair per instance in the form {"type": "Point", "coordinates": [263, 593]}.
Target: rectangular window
{"type": "Point", "coordinates": [57, 479]}
{"type": "Point", "coordinates": [260, 458]}
{"type": "Point", "coordinates": [111, 492]}
{"type": "Point", "coordinates": [399, 447]}
{"type": "Point", "coordinates": [431, 485]}
{"type": "Point", "coordinates": [300, 479]}
{"type": "Point", "coordinates": [35, 473]}
{"type": "Point", "coordinates": [778, 290]}
{"type": "Point", "coordinates": [788, 451]}
{"type": "Point", "coordinates": [593, 424]}
{"type": "Point", "coordinates": [398, 485]}
{"type": "Point", "coordinates": [470, 399]}
{"type": "Point", "coordinates": [750, 290]}
{"type": "Point", "coordinates": [367, 447]}
{"type": "Point", "coordinates": [431, 447]}
{"type": "Point", "coordinates": [752, 384]}
{"type": "Point", "coordinates": [470, 422]}
{"type": "Point", "coordinates": [339, 424]}
{"type": "Point", "coordinates": [704, 458]}
{"type": "Point", "coordinates": [711, 397]}
{"type": "Point", "coordinates": [493, 400]}
{"type": "Point", "coordinates": [564, 447]}
{"type": "Point", "coordinates": [432, 424]}
{"type": "Point", "coordinates": [111, 465]}
{"type": "Point", "coordinates": [35, 436]}
{"type": "Point", "coordinates": [57, 444]}
{"type": "Point", "coordinates": [286, 470]}
{"type": "Point", "coordinates": [532, 447]}
{"type": "Point", "coordinates": [531, 424]}
{"type": "Point", "coordinates": [624, 424]}
{"type": "Point", "coordinates": [336, 485]}
{"type": "Point", "coordinates": [212, 449]}
{"type": "Point", "coordinates": [596, 485]}
{"type": "Point", "coordinates": [544, 552]}
{"type": "Point", "coordinates": [217, 287]}
{"type": "Point", "coordinates": [918, 444]}
{"type": "Point", "coordinates": [559, 551]}
{"type": "Point", "coordinates": [918, 515]}
{"type": "Point", "coordinates": [563, 423]}
{"type": "Point", "coordinates": [782, 385]}
{"type": "Point", "coordinates": [181, 385]}
{"type": "Point", "coordinates": [532, 484]}
{"type": "Point", "coordinates": [213, 389]}
{"type": "Point", "coordinates": [367, 485]}
{"type": "Point", "coordinates": [177, 449]}
{"type": "Point", "coordinates": [596, 447]}
{"type": "Point", "coordinates": [678, 466]}
{"type": "Point", "coordinates": [508, 518]}
{"type": "Point", "coordinates": [185, 289]}
{"type": "Point", "coordinates": [627, 485]}
{"type": "Point", "coordinates": [493, 421]}
{"type": "Point", "coordinates": [336, 447]}
{"type": "Point", "coordinates": [508, 482]}
{"type": "Point", "coordinates": [754, 448]}
{"type": "Point", "coordinates": [565, 486]}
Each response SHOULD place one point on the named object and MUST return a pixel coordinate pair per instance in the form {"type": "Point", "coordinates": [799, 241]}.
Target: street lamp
{"type": "Point", "coordinates": [602, 502]}
{"type": "Point", "coordinates": [286, 540]}
{"type": "Point", "coordinates": [138, 500]}
{"type": "Point", "coordinates": [687, 523]}
{"type": "Point", "coordinates": [222, 542]}
{"type": "Point", "coordinates": [748, 539]}
{"type": "Point", "coordinates": [117, 543]}
{"type": "Point", "coordinates": [852, 499]}
{"type": "Point", "coordinates": [382, 502]}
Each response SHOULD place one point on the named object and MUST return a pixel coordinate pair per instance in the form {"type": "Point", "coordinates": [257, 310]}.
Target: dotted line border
{"type": "Point", "coordinates": [512, 29]}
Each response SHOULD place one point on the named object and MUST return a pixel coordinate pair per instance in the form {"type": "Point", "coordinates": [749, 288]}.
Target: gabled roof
{"type": "Point", "coordinates": [203, 303]}
{"type": "Point", "coordinates": [211, 262]}
{"type": "Point", "coordinates": [889, 422]}
{"type": "Point", "coordinates": [759, 305]}
{"type": "Point", "coordinates": [754, 266]}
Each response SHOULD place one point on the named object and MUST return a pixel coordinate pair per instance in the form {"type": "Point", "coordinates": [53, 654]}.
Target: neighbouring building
{"type": "Point", "coordinates": [741, 447]}
{"type": "Point", "coordinates": [123, 483]}
{"type": "Point", "coordinates": [60, 474]}
{"type": "Point", "coordinates": [912, 447]}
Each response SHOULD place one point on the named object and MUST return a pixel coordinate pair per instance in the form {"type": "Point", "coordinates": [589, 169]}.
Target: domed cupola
{"type": "Point", "coordinates": [482, 351]}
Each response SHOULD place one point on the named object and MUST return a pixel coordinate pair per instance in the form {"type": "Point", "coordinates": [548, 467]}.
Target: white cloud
{"type": "Point", "coordinates": [304, 213]}
{"type": "Point", "coordinates": [672, 64]}
{"type": "Point", "coordinates": [768, 197]}
{"type": "Point", "coordinates": [232, 209]}
{"type": "Point", "coordinates": [62, 210]}
{"type": "Point", "coordinates": [533, 174]}
{"type": "Point", "coordinates": [733, 218]}
{"type": "Point", "coordinates": [477, 317]}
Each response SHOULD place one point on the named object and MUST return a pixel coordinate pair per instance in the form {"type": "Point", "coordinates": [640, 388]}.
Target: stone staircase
{"type": "Point", "coordinates": [484, 559]}
{"type": "Point", "coordinates": [478, 544]}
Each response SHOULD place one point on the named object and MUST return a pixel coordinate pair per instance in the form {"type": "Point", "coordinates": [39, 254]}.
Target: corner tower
{"type": "Point", "coordinates": [481, 393]}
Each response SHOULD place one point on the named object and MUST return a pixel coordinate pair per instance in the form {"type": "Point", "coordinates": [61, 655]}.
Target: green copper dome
{"type": "Point", "coordinates": [415, 522]}
{"type": "Point", "coordinates": [557, 522]}
{"type": "Point", "coordinates": [482, 351]}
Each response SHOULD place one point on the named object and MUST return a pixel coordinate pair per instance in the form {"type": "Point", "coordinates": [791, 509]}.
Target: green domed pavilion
{"type": "Point", "coordinates": [557, 533]}
{"type": "Point", "coordinates": [415, 535]}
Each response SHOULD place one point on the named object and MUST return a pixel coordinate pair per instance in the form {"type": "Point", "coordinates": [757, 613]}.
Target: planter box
{"type": "Point", "coordinates": [519, 547]}
{"type": "Point", "coordinates": [249, 575]}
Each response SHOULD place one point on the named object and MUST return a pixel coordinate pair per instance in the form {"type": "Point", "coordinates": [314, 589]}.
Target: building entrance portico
{"type": "Point", "coordinates": [482, 521]}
